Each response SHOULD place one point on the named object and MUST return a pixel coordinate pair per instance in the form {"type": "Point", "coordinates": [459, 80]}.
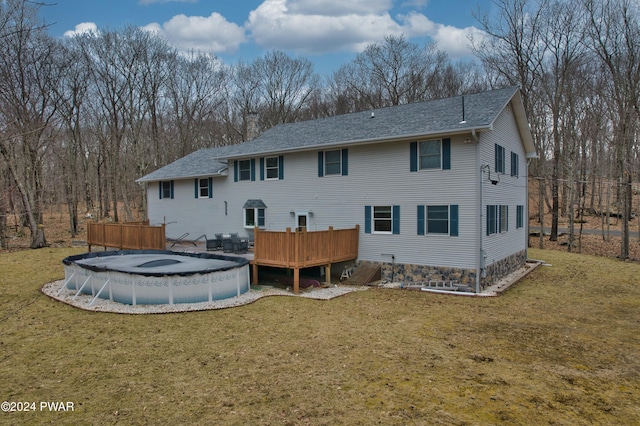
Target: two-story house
{"type": "Point", "coordinates": [439, 188]}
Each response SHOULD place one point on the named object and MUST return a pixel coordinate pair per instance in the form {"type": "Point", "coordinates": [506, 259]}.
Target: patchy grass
{"type": "Point", "coordinates": [560, 347]}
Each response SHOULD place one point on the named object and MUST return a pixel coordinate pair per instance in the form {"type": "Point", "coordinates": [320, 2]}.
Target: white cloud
{"type": "Point", "coordinates": [455, 41]}
{"type": "Point", "coordinates": [317, 26]}
{"type": "Point", "coordinates": [308, 27]}
{"type": "Point", "coordinates": [320, 26]}
{"type": "Point", "coordinates": [210, 34]}
{"type": "Point", "coordinates": [338, 7]}
{"type": "Point", "coordinates": [82, 28]}
{"type": "Point", "coordinates": [416, 3]}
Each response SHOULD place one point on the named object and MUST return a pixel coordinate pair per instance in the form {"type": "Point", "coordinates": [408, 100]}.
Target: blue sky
{"type": "Point", "coordinates": [328, 32]}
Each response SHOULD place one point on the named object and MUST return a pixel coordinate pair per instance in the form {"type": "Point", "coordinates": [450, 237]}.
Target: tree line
{"type": "Point", "coordinates": [82, 117]}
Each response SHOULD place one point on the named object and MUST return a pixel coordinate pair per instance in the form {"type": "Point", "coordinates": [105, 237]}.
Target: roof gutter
{"type": "Point", "coordinates": [224, 172]}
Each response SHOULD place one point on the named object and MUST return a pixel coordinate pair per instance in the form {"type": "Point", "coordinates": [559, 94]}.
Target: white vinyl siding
{"type": "Point", "coordinates": [340, 202]}
{"type": "Point", "coordinates": [510, 191]}
{"type": "Point", "coordinates": [378, 175]}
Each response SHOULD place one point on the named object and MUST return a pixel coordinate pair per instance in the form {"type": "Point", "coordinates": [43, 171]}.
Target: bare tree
{"type": "Point", "coordinates": [561, 35]}
{"type": "Point", "coordinates": [194, 94]}
{"type": "Point", "coordinates": [28, 70]}
{"type": "Point", "coordinates": [243, 101]}
{"type": "Point", "coordinates": [614, 34]}
{"type": "Point", "coordinates": [396, 72]}
{"type": "Point", "coordinates": [72, 92]}
{"type": "Point", "coordinates": [271, 90]}
{"type": "Point", "coordinates": [118, 75]}
{"type": "Point", "coordinates": [286, 86]}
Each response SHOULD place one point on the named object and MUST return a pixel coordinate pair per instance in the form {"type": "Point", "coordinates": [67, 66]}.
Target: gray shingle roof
{"type": "Point", "coordinates": [194, 165]}
{"type": "Point", "coordinates": [436, 117]}
{"type": "Point", "coordinates": [254, 204]}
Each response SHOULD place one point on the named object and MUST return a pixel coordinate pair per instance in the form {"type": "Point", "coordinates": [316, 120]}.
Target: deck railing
{"type": "Point", "coordinates": [129, 236]}
{"type": "Point", "coordinates": [301, 249]}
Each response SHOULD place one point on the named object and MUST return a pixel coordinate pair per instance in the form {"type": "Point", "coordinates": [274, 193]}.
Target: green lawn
{"type": "Point", "coordinates": [560, 347]}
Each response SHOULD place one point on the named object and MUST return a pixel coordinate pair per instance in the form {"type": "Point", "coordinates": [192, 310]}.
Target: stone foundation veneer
{"type": "Point", "coordinates": [407, 273]}
{"type": "Point", "coordinates": [500, 269]}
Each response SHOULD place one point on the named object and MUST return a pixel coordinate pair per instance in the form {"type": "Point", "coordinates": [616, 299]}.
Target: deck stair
{"type": "Point", "coordinates": [364, 274]}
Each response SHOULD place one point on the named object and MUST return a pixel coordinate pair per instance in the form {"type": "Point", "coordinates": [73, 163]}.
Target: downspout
{"type": "Point", "coordinates": [393, 265]}
{"type": "Point", "coordinates": [479, 207]}
{"type": "Point", "coordinates": [525, 214]}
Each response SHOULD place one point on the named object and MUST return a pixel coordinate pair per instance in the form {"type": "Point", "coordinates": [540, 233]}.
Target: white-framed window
{"type": "Point", "coordinates": [438, 220]}
{"type": "Point", "coordinates": [504, 218]}
{"type": "Point", "coordinates": [166, 189]}
{"type": "Point", "coordinates": [272, 168]}
{"type": "Point", "coordinates": [515, 165]}
{"type": "Point", "coordinates": [244, 170]}
{"type": "Point", "coordinates": [499, 158]}
{"type": "Point", "coordinates": [519, 217]}
{"type": "Point", "coordinates": [497, 219]}
{"type": "Point", "coordinates": [333, 162]}
{"type": "Point", "coordinates": [430, 155]}
{"type": "Point", "coordinates": [382, 219]}
{"type": "Point", "coordinates": [492, 220]}
{"type": "Point", "coordinates": [254, 217]}
{"type": "Point", "coordinates": [203, 188]}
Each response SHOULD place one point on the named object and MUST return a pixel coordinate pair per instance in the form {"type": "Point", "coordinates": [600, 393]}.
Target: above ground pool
{"type": "Point", "coordinates": [137, 277]}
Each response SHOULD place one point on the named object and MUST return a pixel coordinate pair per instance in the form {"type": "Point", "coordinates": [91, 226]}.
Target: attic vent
{"type": "Point", "coordinates": [373, 114]}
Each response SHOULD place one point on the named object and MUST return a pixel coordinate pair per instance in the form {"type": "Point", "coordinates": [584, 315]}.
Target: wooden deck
{"type": "Point", "coordinates": [301, 249]}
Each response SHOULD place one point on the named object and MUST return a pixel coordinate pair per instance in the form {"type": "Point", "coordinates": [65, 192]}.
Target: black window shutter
{"type": "Point", "coordinates": [453, 220]}
{"type": "Point", "coordinates": [281, 167]}
{"type": "Point", "coordinates": [320, 164]}
{"type": "Point", "coordinates": [413, 156]}
{"type": "Point", "coordinates": [367, 219]}
{"type": "Point", "coordinates": [235, 170]}
{"type": "Point", "coordinates": [488, 224]}
{"type": "Point", "coordinates": [210, 187]}
{"type": "Point", "coordinates": [396, 220]}
{"type": "Point", "coordinates": [421, 221]}
{"type": "Point", "coordinates": [160, 192]}
{"type": "Point", "coordinates": [171, 189]}
{"type": "Point", "coordinates": [345, 162]}
{"type": "Point", "coordinates": [196, 186]}
{"type": "Point", "coordinates": [261, 168]}
{"type": "Point", "coordinates": [446, 154]}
